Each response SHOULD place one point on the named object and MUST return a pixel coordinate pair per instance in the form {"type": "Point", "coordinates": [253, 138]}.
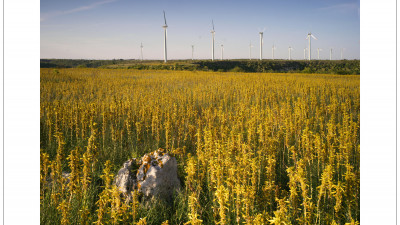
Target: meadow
{"type": "Point", "coordinates": [252, 148]}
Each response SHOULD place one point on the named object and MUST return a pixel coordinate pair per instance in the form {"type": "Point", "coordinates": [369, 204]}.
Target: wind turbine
{"type": "Point", "coordinates": [309, 35]}
{"type": "Point", "coordinates": [192, 51]}
{"type": "Point", "coordinates": [261, 42]}
{"type": "Point", "coordinates": [305, 49]}
{"type": "Point", "coordinates": [213, 38]}
{"type": "Point", "coordinates": [250, 46]}
{"type": "Point", "coordinates": [341, 53]}
{"type": "Point", "coordinates": [318, 49]}
{"type": "Point", "coordinates": [165, 38]}
{"type": "Point", "coordinates": [330, 54]}
{"type": "Point", "coordinates": [222, 52]}
{"type": "Point", "coordinates": [141, 50]}
{"type": "Point", "coordinates": [273, 51]}
{"type": "Point", "coordinates": [290, 52]}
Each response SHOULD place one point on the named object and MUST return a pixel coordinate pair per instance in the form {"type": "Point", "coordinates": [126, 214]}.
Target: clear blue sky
{"type": "Point", "coordinates": [108, 29]}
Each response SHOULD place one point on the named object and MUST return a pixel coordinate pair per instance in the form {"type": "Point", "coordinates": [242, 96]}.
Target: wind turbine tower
{"type": "Point", "coordinates": [309, 36]}
{"type": "Point", "coordinates": [222, 52]}
{"type": "Point", "coordinates": [318, 49]}
{"type": "Point", "coordinates": [213, 38]}
{"type": "Point", "coordinates": [261, 43]}
{"type": "Point", "coordinates": [330, 54]}
{"type": "Point", "coordinates": [290, 53]}
{"type": "Point", "coordinates": [141, 51]}
{"type": "Point", "coordinates": [192, 51]}
{"type": "Point", "coordinates": [341, 53]}
{"type": "Point", "coordinates": [273, 51]}
{"type": "Point", "coordinates": [305, 49]}
{"type": "Point", "coordinates": [165, 38]}
{"type": "Point", "coordinates": [250, 46]}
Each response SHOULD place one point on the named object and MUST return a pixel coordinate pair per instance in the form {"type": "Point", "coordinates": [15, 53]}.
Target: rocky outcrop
{"type": "Point", "coordinates": [155, 174]}
{"type": "Point", "coordinates": [161, 177]}
{"type": "Point", "coordinates": [126, 178]}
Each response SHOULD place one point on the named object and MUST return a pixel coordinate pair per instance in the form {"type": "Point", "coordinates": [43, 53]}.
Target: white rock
{"type": "Point", "coordinates": [126, 179]}
{"type": "Point", "coordinates": [161, 179]}
{"type": "Point", "coordinates": [157, 176]}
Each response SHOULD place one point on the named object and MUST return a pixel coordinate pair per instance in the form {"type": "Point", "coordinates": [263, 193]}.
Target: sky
{"type": "Point", "coordinates": [115, 29]}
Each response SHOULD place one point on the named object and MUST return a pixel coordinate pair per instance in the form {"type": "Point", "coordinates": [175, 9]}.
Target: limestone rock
{"type": "Point", "coordinates": [126, 178]}
{"type": "Point", "coordinates": [154, 175]}
{"type": "Point", "coordinates": [160, 176]}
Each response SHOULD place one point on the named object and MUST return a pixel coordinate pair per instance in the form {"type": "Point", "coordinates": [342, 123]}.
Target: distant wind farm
{"type": "Point", "coordinates": [307, 51]}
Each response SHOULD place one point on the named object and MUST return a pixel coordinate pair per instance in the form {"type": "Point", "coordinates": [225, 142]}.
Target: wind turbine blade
{"type": "Point", "coordinates": [314, 37]}
{"type": "Point", "coordinates": [212, 21]}
{"type": "Point", "coordinates": [165, 20]}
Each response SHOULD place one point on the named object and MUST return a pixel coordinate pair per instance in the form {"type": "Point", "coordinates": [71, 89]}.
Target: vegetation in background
{"type": "Point", "coordinates": [252, 148]}
{"type": "Point", "coordinates": [340, 67]}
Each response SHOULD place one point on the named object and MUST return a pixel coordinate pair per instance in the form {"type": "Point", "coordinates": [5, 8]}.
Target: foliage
{"type": "Point", "coordinates": [340, 67]}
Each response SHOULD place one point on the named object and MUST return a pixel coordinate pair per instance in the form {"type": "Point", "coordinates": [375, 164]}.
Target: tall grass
{"type": "Point", "coordinates": [251, 148]}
